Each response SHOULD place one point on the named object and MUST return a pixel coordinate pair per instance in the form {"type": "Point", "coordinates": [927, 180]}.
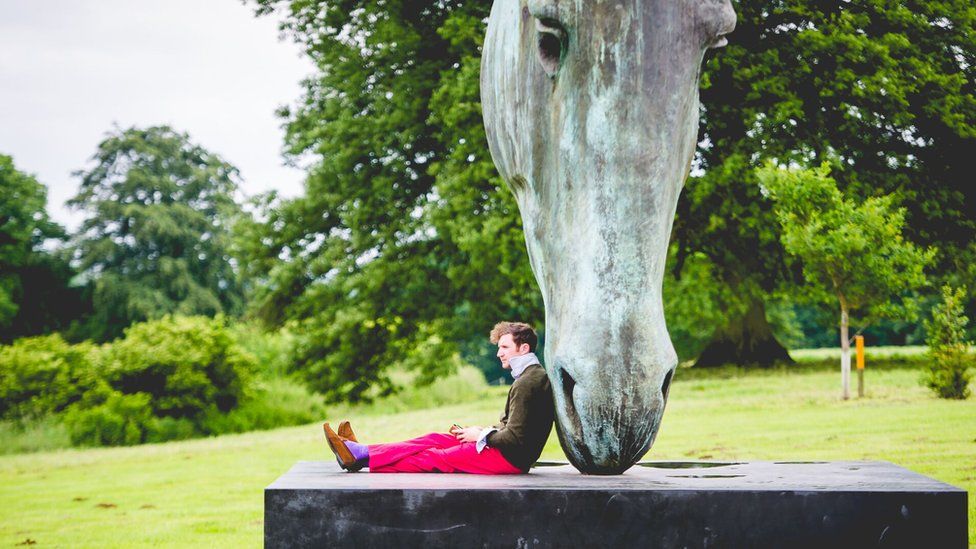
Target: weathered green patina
{"type": "Point", "coordinates": [591, 109]}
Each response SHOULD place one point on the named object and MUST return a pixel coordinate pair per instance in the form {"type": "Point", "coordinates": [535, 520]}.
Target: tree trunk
{"type": "Point", "coordinates": [845, 354]}
{"type": "Point", "coordinates": [747, 340]}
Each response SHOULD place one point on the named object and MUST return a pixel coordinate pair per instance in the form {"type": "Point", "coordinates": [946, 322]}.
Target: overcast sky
{"type": "Point", "coordinates": [70, 70]}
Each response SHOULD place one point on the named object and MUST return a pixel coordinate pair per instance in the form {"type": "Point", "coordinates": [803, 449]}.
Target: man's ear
{"type": "Point", "coordinates": [524, 349]}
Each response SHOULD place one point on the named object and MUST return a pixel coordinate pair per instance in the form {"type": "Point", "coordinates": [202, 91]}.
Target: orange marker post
{"type": "Point", "coordinates": [859, 344]}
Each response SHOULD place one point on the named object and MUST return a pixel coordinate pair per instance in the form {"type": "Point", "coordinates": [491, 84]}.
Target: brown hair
{"type": "Point", "coordinates": [520, 332]}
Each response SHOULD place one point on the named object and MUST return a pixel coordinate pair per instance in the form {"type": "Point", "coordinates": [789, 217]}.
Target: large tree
{"type": "Point", "coordinates": [407, 246]}
{"type": "Point", "coordinates": [885, 87]}
{"type": "Point", "coordinates": [34, 293]}
{"type": "Point", "coordinates": [156, 236]}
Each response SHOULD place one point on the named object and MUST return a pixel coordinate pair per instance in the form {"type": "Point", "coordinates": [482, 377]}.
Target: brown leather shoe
{"type": "Point", "coordinates": [345, 431]}
{"type": "Point", "coordinates": [342, 454]}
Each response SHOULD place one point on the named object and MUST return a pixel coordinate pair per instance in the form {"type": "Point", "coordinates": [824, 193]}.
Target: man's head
{"type": "Point", "coordinates": [513, 339]}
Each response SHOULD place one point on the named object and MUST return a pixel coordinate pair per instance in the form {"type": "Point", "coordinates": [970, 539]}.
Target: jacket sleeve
{"type": "Point", "coordinates": [512, 433]}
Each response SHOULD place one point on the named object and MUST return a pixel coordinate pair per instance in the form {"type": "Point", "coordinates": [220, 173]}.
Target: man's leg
{"type": "Point", "coordinates": [461, 458]}
{"type": "Point", "coordinates": [382, 455]}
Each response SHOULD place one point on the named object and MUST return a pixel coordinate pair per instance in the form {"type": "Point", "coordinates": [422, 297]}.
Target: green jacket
{"type": "Point", "coordinates": [525, 426]}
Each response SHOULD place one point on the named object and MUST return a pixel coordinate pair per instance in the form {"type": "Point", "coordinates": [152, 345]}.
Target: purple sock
{"type": "Point", "coordinates": [359, 451]}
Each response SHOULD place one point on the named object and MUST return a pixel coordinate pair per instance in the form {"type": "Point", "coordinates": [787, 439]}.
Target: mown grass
{"type": "Point", "coordinates": [208, 492]}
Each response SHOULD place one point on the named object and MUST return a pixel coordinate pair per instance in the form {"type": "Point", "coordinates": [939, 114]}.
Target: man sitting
{"type": "Point", "coordinates": [509, 447]}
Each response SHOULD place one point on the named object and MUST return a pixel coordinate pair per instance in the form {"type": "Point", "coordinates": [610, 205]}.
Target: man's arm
{"type": "Point", "coordinates": [512, 434]}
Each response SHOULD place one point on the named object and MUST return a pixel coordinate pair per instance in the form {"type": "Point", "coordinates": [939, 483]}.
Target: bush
{"type": "Point", "coordinates": [948, 368]}
{"type": "Point", "coordinates": [273, 403]}
{"type": "Point", "coordinates": [44, 375]}
{"type": "Point", "coordinates": [122, 420]}
{"type": "Point", "coordinates": [168, 379]}
{"type": "Point", "coordinates": [187, 365]}
{"type": "Point", "coordinates": [272, 349]}
{"type": "Point", "coordinates": [163, 429]}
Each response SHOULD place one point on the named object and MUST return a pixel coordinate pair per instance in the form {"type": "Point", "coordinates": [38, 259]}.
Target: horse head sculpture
{"type": "Point", "coordinates": [591, 111]}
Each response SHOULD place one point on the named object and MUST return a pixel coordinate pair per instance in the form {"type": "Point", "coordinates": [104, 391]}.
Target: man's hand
{"type": "Point", "coordinates": [466, 434]}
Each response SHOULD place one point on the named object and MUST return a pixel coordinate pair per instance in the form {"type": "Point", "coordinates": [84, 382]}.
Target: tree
{"type": "Point", "coordinates": [406, 246]}
{"type": "Point", "coordinates": [34, 292]}
{"type": "Point", "coordinates": [405, 223]}
{"type": "Point", "coordinates": [888, 88]}
{"type": "Point", "coordinates": [156, 237]}
{"type": "Point", "coordinates": [854, 253]}
{"type": "Point", "coordinates": [947, 373]}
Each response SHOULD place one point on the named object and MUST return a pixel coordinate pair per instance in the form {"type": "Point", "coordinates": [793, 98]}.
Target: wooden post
{"type": "Point", "coordinates": [859, 343]}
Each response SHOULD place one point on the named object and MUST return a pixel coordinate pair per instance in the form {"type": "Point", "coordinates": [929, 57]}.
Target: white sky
{"type": "Point", "coordinates": [71, 69]}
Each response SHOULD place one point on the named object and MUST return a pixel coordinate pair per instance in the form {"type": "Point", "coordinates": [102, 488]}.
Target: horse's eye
{"type": "Point", "coordinates": [551, 42]}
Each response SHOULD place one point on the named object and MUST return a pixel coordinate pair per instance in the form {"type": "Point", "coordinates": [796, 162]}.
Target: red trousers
{"type": "Point", "coordinates": [437, 453]}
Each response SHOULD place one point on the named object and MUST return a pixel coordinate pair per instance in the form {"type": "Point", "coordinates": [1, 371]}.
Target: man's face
{"type": "Point", "coordinates": [507, 349]}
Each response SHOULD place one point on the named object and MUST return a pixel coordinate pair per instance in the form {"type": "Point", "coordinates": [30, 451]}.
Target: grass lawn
{"type": "Point", "coordinates": [209, 492]}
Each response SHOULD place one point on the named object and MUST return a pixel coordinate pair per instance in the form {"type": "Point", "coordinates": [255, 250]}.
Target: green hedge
{"type": "Point", "coordinates": [45, 375]}
{"type": "Point", "coordinates": [187, 365]}
{"type": "Point", "coordinates": [172, 378]}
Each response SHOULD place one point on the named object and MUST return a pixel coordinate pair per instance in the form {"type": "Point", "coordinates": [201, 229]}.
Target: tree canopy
{"type": "Point", "coordinates": [34, 294]}
{"type": "Point", "coordinates": [852, 254]}
{"type": "Point", "coordinates": [156, 237]}
{"type": "Point", "coordinates": [406, 246]}
{"type": "Point", "coordinates": [885, 87]}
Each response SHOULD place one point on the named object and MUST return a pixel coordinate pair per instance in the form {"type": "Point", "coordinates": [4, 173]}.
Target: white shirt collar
{"type": "Point", "coordinates": [521, 362]}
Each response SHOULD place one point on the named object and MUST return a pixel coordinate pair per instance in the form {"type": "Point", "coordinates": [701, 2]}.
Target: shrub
{"type": "Point", "coordinates": [44, 375]}
{"type": "Point", "coordinates": [273, 403]}
{"type": "Point", "coordinates": [272, 349]}
{"type": "Point", "coordinates": [162, 429]}
{"type": "Point", "coordinates": [121, 420]}
{"type": "Point", "coordinates": [948, 368]}
{"type": "Point", "coordinates": [187, 365]}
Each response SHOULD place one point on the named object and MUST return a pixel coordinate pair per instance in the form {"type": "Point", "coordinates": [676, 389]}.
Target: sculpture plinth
{"type": "Point", "coordinates": [665, 504]}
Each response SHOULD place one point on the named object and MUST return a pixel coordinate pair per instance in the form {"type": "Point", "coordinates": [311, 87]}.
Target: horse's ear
{"type": "Point", "coordinates": [715, 19]}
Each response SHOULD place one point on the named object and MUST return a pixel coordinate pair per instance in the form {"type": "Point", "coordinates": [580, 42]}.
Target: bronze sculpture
{"type": "Point", "coordinates": [591, 110]}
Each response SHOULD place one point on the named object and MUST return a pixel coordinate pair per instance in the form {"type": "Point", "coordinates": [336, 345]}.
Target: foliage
{"type": "Point", "coordinates": [854, 253]}
{"type": "Point", "coordinates": [188, 366]}
{"type": "Point", "coordinates": [269, 404]}
{"type": "Point", "coordinates": [171, 378]}
{"type": "Point", "coordinates": [155, 240]}
{"type": "Point", "coordinates": [33, 284]}
{"type": "Point", "coordinates": [692, 304]}
{"type": "Point", "coordinates": [273, 350]}
{"type": "Point", "coordinates": [44, 375]}
{"type": "Point", "coordinates": [121, 420]}
{"type": "Point", "coordinates": [405, 248]}
{"type": "Point", "coordinates": [406, 244]}
{"type": "Point", "coordinates": [948, 373]}
{"type": "Point", "coordinates": [888, 89]}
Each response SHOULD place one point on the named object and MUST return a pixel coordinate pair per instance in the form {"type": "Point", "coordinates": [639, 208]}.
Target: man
{"type": "Point", "coordinates": [509, 447]}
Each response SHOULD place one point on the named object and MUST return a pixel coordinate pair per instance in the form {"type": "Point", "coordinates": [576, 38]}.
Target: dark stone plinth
{"type": "Point", "coordinates": [654, 504]}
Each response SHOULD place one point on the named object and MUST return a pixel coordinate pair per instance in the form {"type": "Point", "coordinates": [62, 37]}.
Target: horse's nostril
{"type": "Point", "coordinates": [568, 384]}
{"type": "Point", "coordinates": [666, 385]}
{"type": "Point", "coordinates": [569, 387]}
{"type": "Point", "coordinates": [551, 39]}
